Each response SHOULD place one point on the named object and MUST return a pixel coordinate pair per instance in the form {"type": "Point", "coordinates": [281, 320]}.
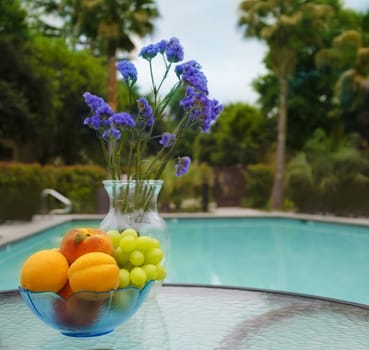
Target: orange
{"type": "Point", "coordinates": [96, 272]}
{"type": "Point", "coordinates": [45, 270]}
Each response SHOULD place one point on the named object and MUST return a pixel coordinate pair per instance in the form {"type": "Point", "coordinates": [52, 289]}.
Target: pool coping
{"type": "Point", "coordinates": [13, 231]}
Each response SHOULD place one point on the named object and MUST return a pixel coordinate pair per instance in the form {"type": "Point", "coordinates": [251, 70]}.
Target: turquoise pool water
{"type": "Point", "coordinates": [329, 260]}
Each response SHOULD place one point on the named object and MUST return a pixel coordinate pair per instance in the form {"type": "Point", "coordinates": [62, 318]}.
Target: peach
{"type": "Point", "coordinates": [45, 270]}
{"type": "Point", "coordinates": [79, 241]}
{"type": "Point", "coordinates": [66, 291]}
{"type": "Point", "coordinates": [96, 272]}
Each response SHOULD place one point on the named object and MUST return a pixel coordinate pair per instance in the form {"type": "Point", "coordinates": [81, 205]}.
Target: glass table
{"type": "Point", "coordinates": [185, 317]}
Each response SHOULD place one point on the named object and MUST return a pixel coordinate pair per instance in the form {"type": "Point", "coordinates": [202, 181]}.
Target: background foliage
{"type": "Point", "coordinates": [21, 186]}
{"type": "Point", "coordinates": [44, 71]}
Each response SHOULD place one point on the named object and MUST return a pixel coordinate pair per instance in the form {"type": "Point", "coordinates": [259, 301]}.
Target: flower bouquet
{"type": "Point", "coordinates": [130, 133]}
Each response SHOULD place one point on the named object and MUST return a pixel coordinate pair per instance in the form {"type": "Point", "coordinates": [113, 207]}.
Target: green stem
{"type": "Point", "coordinates": [106, 155]}
{"type": "Point", "coordinates": [138, 162]}
{"type": "Point", "coordinates": [129, 161]}
{"type": "Point", "coordinates": [184, 122]}
{"type": "Point", "coordinates": [164, 103]}
{"type": "Point", "coordinates": [165, 74]}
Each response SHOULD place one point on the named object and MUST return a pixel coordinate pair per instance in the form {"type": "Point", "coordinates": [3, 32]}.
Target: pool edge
{"type": "Point", "coordinates": [15, 231]}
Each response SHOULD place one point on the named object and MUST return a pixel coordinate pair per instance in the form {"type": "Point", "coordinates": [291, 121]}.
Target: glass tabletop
{"type": "Point", "coordinates": [200, 317]}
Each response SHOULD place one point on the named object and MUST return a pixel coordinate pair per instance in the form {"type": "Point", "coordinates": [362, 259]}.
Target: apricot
{"type": "Point", "coordinates": [96, 272]}
{"type": "Point", "coordinates": [79, 241]}
{"type": "Point", "coordinates": [45, 270]}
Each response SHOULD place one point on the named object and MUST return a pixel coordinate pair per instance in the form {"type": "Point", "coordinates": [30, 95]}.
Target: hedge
{"type": "Point", "coordinates": [336, 185]}
{"type": "Point", "coordinates": [21, 186]}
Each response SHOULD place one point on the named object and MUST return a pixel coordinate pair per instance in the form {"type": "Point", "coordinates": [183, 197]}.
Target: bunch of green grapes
{"type": "Point", "coordinates": [138, 258]}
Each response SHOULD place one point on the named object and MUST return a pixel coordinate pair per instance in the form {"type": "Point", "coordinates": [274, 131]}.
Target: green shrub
{"type": "Point", "coordinates": [79, 184]}
{"type": "Point", "coordinates": [21, 186]}
{"type": "Point", "coordinates": [346, 190]}
{"type": "Point", "coordinates": [190, 187]}
{"type": "Point", "coordinates": [332, 183]}
{"type": "Point", "coordinates": [299, 182]}
{"type": "Point", "coordinates": [259, 182]}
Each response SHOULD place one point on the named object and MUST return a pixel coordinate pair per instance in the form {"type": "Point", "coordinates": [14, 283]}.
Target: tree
{"type": "Point", "coordinates": [14, 77]}
{"type": "Point", "coordinates": [284, 26]}
{"type": "Point", "coordinates": [349, 56]}
{"type": "Point", "coordinates": [64, 75]}
{"type": "Point", "coordinates": [105, 26]}
{"type": "Point", "coordinates": [311, 87]}
{"type": "Point", "coordinates": [41, 104]}
{"type": "Point", "coordinates": [241, 136]}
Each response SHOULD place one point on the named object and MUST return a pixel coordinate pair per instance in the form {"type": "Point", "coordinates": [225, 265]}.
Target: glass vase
{"type": "Point", "coordinates": [133, 205]}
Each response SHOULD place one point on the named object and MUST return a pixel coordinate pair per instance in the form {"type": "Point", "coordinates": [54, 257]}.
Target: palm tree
{"type": "Point", "coordinates": [350, 59]}
{"type": "Point", "coordinates": [105, 26]}
{"type": "Point", "coordinates": [284, 25]}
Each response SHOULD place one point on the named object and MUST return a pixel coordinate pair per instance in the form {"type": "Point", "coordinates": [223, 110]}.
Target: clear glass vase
{"type": "Point", "coordinates": [133, 205]}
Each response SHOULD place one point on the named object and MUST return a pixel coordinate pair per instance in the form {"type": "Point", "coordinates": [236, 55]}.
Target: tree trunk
{"type": "Point", "coordinates": [112, 87]}
{"type": "Point", "coordinates": [277, 193]}
{"type": "Point", "coordinates": [112, 78]}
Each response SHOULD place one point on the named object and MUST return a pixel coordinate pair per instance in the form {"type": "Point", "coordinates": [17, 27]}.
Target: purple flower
{"type": "Point", "coordinates": [93, 101]}
{"type": "Point", "coordinates": [167, 139]}
{"type": "Point", "coordinates": [94, 122]}
{"type": "Point", "coordinates": [145, 110]}
{"type": "Point", "coordinates": [128, 71]}
{"type": "Point", "coordinates": [174, 50]}
{"type": "Point", "coordinates": [199, 107]}
{"type": "Point", "coordinates": [161, 46]}
{"type": "Point", "coordinates": [182, 165]}
{"type": "Point", "coordinates": [101, 117]}
{"type": "Point", "coordinates": [149, 52]}
{"type": "Point", "coordinates": [116, 122]}
{"type": "Point", "coordinates": [104, 109]}
{"type": "Point", "coordinates": [122, 119]}
{"type": "Point", "coordinates": [191, 74]}
{"type": "Point", "coordinates": [112, 133]}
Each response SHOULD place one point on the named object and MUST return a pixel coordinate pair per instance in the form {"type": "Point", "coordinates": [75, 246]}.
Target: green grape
{"type": "Point", "coordinates": [121, 257]}
{"type": "Point", "coordinates": [153, 256]}
{"type": "Point", "coordinates": [128, 266]}
{"type": "Point", "coordinates": [115, 237]}
{"type": "Point", "coordinates": [162, 273]}
{"type": "Point", "coordinates": [138, 277]}
{"type": "Point", "coordinates": [155, 243]}
{"type": "Point", "coordinates": [127, 243]}
{"type": "Point", "coordinates": [144, 243]}
{"type": "Point", "coordinates": [129, 232]}
{"type": "Point", "coordinates": [124, 278]}
{"type": "Point", "coordinates": [151, 271]}
{"type": "Point", "coordinates": [123, 301]}
{"type": "Point", "coordinates": [136, 258]}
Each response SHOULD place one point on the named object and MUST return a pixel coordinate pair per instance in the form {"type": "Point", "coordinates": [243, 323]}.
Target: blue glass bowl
{"type": "Point", "coordinates": [86, 314]}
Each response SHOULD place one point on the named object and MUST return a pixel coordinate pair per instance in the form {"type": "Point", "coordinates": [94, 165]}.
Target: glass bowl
{"type": "Point", "coordinates": [86, 314]}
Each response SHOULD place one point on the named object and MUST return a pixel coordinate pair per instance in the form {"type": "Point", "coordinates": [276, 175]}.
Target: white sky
{"type": "Point", "coordinates": [207, 29]}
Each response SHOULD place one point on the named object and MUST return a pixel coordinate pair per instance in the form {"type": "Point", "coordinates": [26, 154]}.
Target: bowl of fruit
{"type": "Point", "coordinates": [93, 282]}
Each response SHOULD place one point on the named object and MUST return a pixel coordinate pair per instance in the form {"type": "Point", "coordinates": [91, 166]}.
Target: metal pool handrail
{"type": "Point", "coordinates": [57, 195]}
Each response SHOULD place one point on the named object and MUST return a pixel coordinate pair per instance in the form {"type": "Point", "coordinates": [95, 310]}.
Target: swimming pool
{"type": "Point", "coordinates": [309, 257]}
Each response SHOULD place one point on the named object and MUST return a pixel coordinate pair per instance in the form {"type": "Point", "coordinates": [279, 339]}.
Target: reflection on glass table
{"type": "Point", "coordinates": [200, 317]}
